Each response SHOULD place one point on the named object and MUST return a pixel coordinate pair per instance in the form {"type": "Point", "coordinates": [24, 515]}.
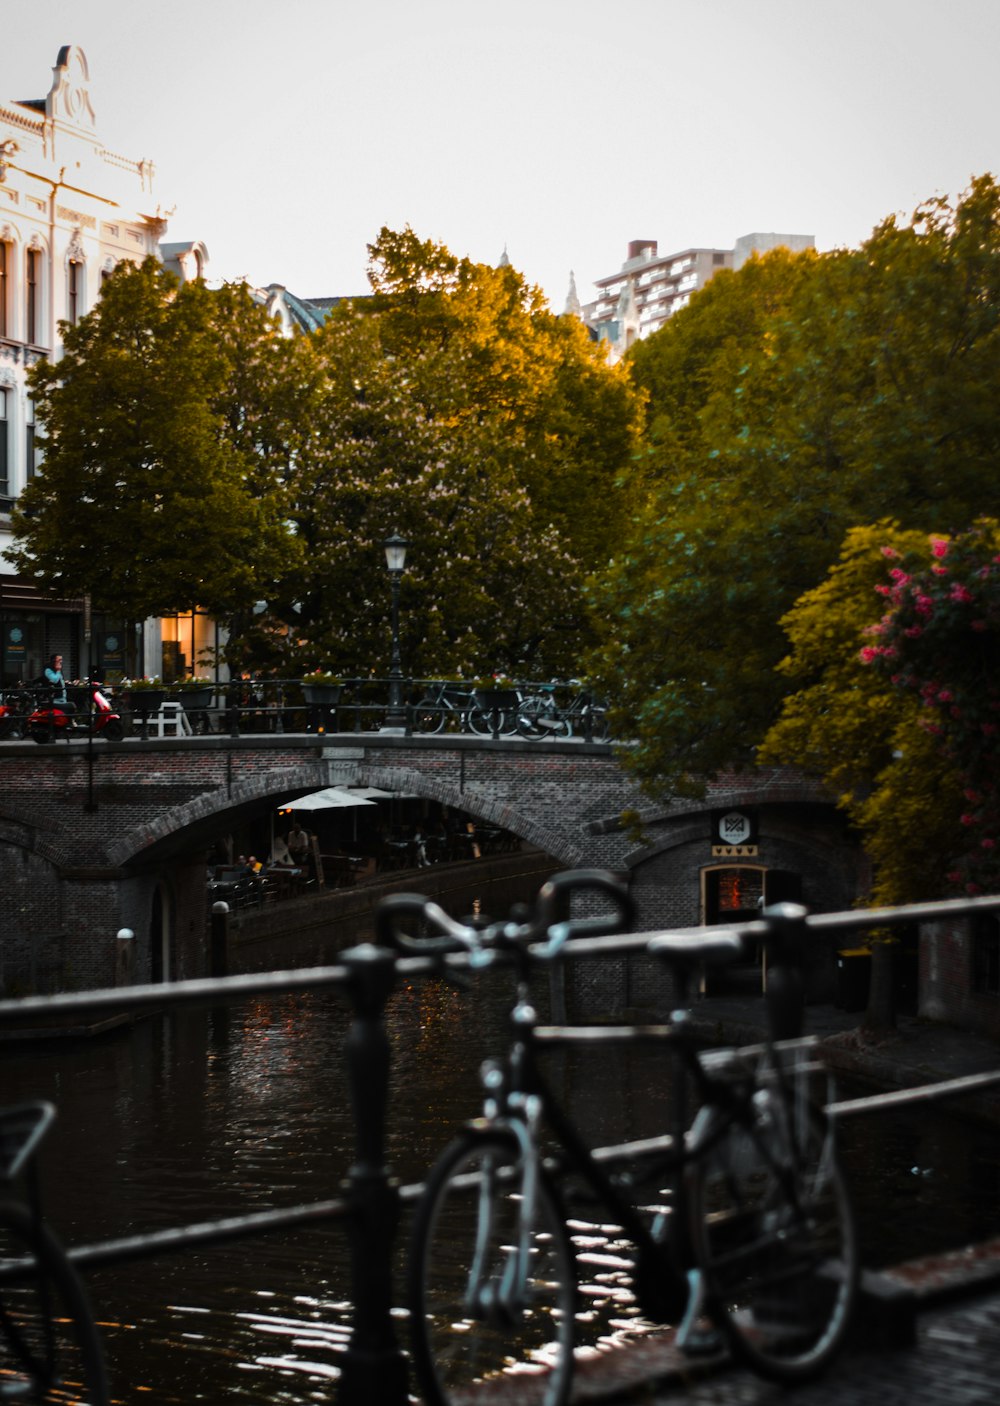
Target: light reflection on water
{"type": "Point", "coordinates": [209, 1114]}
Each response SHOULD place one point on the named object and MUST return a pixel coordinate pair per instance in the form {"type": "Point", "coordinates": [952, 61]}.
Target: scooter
{"type": "Point", "coordinates": [50, 720]}
{"type": "Point", "coordinates": [14, 709]}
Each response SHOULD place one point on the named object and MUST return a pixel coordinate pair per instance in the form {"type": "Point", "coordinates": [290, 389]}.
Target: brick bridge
{"type": "Point", "coordinates": [96, 839]}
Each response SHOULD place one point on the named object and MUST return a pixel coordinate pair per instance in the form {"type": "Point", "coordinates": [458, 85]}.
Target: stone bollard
{"type": "Point", "coordinates": [125, 957]}
{"type": "Point", "coordinates": [218, 956]}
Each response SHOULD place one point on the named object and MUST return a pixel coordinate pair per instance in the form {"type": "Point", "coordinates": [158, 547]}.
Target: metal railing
{"type": "Point", "coordinates": [266, 705]}
{"type": "Point", "coordinates": [369, 1202]}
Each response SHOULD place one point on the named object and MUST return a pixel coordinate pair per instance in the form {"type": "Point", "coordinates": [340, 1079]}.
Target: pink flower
{"type": "Point", "coordinates": [940, 570]}
{"type": "Point", "coordinates": [913, 632]}
{"type": "Point", "coordinates": [967, 819]}
{"type": "Point", "coordinates": [972, 888]}
{"type": "Point", "coordinates": [868, 654]}
{"type": "Point", "coordinates": [882, 590]}
{"type": "Point", "coordinates": [945, 695]}
{"type": "Point", "coordinates": [924, 605]}
{"type": "Point", "coordinates": [898, 575]}
{"type": "Point", "coordinates": [891, 553]}
{"type": "Point", "coordinates": [954, 876]}
{"type": "Point", "coordinates": [961, 593]}
{"type": "Point", "coordinates": [939, 547]}
{"type": "Point", "coordinates": [987, 843]}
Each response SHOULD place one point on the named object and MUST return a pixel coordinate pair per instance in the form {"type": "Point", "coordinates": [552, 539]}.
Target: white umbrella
{"type": "Point", "coordinates": [326, 799]}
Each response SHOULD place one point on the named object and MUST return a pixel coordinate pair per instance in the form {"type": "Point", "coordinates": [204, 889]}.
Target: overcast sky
{"type": "Point", "coordinates": [287, 133]}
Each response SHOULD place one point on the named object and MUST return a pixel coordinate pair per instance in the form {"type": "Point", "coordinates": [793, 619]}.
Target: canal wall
{"type": "Point", "coordinates": [313, 931]}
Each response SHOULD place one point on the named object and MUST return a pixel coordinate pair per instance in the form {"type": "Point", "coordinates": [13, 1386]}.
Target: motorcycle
{"type": "Point", "coordinates": [52, 720]}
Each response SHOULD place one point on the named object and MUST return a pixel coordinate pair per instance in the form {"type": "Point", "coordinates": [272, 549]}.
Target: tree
{"type": "Point", "coordinates": [818, 393]}
{"type": "Point", "coordinates": [857, 728]}
{"type": "Point", "coordinates": [160, 488]}
{"type": "Point", "coordinates": [454, 408]}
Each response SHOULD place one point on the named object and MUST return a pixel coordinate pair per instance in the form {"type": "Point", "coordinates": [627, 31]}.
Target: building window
{"type": "Point", "coordinates": [986, 955]}
{"type": "Point", "coordinates": [4, 441]}
{"type": "Point", "coordinates": [73, 292]}
{"type": "Point", "coordinates": [33, 266]}
{"type": "Point", "coordinates": [29, 439]}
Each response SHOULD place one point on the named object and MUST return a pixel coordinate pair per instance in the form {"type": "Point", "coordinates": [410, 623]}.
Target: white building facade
{"type": "Point", "coordinates": [70, 211]}
{"type": "Point", "coordinates": [650, 287]}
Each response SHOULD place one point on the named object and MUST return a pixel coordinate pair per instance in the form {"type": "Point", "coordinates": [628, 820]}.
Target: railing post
{"type": "Point", "coordinates": [374, 1367]}
{"type": "Point", "coordinates": [785, 982]}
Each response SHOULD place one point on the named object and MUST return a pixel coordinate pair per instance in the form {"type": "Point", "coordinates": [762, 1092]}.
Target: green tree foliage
{"type": "Point", "coordinates": [161, 487]}
{"type": "Point", "coordinates": [454, 408]}
{"type": "Point", "coordinates": [790, 401]}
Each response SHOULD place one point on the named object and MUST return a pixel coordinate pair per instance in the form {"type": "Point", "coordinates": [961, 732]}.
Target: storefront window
{"type": "Point", "coordinates": [189, 643]}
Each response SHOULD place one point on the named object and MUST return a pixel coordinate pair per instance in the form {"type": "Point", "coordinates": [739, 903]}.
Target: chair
{"type": "Point", "coordinates": [171, 715]}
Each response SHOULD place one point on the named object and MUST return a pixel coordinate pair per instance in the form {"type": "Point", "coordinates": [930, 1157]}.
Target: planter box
{"type": "Point", "coordinates": [147, 700]}
{"type": "Point", "coordinates": [322, 695]}
{"type": "Point", "coordinates": [192, 699]}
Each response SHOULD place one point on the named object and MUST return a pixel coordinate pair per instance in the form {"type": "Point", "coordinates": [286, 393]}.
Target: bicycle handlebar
{"type": "Point", "coordinates": [542, 926]}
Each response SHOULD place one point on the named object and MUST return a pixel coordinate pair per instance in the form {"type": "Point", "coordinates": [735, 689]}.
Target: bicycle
{"type": "Point", "coordinates": [539, 715]}
{"type": "Point", "coordinates": [452, 707]}
{"type": "Point", "coordinates": [742, 1218]}
{"type": "Point", "coordinates": [49, 1345]}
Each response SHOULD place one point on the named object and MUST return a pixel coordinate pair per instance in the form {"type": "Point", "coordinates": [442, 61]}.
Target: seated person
{"type": "Point", "coordinates": [54, 676]}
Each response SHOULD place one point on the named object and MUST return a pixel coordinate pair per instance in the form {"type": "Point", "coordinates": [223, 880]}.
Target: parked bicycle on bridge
{"type": "Point", "coordinates": [539, 714]}
{"type": "Point", "coordinates": [743, 1216]}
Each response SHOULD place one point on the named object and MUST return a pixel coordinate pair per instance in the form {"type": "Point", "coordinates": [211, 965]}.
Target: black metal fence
{"type": "Point", "coordinates": [368, 1202]}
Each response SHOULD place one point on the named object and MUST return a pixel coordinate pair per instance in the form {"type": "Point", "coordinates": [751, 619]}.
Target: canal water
{"type": "Point", "coordinates": [198, 1115]}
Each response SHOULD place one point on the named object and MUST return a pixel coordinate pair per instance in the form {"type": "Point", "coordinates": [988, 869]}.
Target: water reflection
{"type": "Point", "coordinates": [208, 1114]}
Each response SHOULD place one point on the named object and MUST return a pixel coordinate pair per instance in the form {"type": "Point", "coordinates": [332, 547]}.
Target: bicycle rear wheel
{"type": "Point", "coordinates": [429, 715]}
{"type": "Point", "coordinates": [49, 1347]}
{"type": "Point", "coordinates": [775, 1235]}
{"type": "Point", "coordinates": [471, 1338]}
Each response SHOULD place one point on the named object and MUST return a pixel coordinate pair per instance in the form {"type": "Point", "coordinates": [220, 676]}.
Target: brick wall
{"type": "Point", "coordinates": [946, 980]}
{"type": "Point", "coordinates": [87, 842]}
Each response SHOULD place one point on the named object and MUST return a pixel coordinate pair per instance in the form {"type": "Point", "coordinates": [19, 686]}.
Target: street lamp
{"type": "Point", "coordinates": [395, 559]}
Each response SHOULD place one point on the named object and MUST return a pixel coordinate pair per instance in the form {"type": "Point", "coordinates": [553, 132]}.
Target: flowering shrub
{"type": "Point", "coordinates": [939, 639]}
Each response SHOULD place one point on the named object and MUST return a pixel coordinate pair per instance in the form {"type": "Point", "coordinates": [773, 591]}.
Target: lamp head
{"type": "Point", "coordinates": [395, 552]}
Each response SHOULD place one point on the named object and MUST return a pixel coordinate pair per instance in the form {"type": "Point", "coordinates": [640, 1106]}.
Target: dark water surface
{"type": "Point", "coordinates": [197, 1115]}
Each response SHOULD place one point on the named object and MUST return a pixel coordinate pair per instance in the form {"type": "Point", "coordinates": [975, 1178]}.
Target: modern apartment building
{"type": "Point", "coordinates": [70, 210]}
{"type": "Point", "coordinates": [650, 287]}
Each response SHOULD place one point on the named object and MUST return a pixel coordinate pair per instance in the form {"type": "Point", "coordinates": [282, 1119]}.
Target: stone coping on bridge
{"type": "Point", "coordinates": [264, 741]}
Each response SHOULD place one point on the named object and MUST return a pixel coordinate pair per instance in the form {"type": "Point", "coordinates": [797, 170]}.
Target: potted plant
{"type": "Point", "coordinates": [195, 693]}
{"type": "Point", "coordinates": [145, 695]}
{"type": "Point", "coordinates": [496, 691]}
{"type": "Point", "coordinates": [321, 689]}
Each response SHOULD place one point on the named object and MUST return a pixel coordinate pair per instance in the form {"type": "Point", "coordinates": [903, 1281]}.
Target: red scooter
{"type": "Point", "coordinates": [51, 720]}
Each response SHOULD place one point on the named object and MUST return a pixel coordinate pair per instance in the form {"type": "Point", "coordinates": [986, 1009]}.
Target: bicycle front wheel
{"type": "Point", "coordinates": [480, 721]}
{"type": "Point", "coordinates": [775, 1236]}
{"type": "Point", "coordinates": [49, 1348]}
{"type": "Point", "coordinates": [474, 1327]}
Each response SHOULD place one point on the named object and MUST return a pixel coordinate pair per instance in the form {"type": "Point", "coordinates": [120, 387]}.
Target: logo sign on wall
{"type": "Point", "coordinates": [734, 834]}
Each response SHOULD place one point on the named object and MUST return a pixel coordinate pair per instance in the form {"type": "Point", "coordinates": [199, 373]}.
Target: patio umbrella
{"type": "Point", "coordinates": [326, 799]}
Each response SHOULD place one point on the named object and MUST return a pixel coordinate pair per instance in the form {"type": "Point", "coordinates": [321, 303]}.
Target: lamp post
{"type": "Point", "coordinates": [395, 559]}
